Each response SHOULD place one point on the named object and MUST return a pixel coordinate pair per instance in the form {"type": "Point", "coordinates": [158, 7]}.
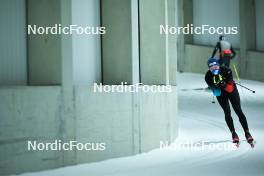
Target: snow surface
{"type": "Point", "coordinates": [201, 124]}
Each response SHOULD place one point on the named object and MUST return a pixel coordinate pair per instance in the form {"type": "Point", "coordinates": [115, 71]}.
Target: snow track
{"type": "Point", "coordinates": [201, 122]}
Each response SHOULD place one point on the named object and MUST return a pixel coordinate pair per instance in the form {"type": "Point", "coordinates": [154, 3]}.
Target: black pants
{"type": "Point", "coordinates": [235, 101]}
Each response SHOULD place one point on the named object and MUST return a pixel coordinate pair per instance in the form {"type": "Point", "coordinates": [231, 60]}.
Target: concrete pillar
{"type": "Point", "coordinates": [86, 48]}
{"type": "Point", "coordinates": [133, 40]}
{"type": "Point", "coordinates": [172, 43]}
{"type": "Point", "coordinates": [119, 44]}
{"type": "Point", "coordinates": [68, 118]}
{"type": "Point", "coordinates": [247, 32]}
{"type": "Point", "coordinates": [157, 61]}
{"type": "Point", "coordinates": [51, 61]}
{"type": "Point", "coordinates": [180, 37]}
{"type": "Point", "coordinates": [13, 55]}
{"type": "Point", "coordinates": [188, 19]}
{"type": "Point", "coordinates": [44, 51]}
{"type": "Point", "coordinates": [184, 15]}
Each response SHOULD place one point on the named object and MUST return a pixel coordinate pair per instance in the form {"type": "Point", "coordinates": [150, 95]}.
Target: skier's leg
{"type": "Point", "coordinates": [235, 101]}
{"type": "Point", "coordinates": [223, 101]}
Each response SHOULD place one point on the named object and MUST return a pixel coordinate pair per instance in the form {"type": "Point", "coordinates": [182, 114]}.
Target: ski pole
{"type": "Point", "coordinates": [213, 101]}
{"type": "Point", "coordinates": [237, 75]}
{"type": "Point", "coordinates": [253, 91]}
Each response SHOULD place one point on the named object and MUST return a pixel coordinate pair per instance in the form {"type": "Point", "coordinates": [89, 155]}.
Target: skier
{"type": "Point", "coordinates": [220, 81]}
{"type": "Point", "coordinates": [226, 52]}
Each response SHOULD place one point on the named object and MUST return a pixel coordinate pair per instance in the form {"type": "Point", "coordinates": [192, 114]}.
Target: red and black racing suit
{"type": "Point", "coordinates": [230, 93]}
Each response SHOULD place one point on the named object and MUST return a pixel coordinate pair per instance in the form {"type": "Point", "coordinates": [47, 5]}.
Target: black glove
{"type": "Point", "coordinates": [219, 81]}
{"type": "Point", "coordinates": [222, 84]}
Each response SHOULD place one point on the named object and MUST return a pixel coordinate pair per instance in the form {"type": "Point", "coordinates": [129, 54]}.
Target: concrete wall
{"type": "Point", "coordinates": [196, 59]}
{"type": "Point", "coordinates": [28, 113]}
{"type": "Point", "coordinates": [259, 25]}
{"type": "Point", "coordinates": [254, 67]}
{"type": "Point", "coordinates": [158, 118]}
{"type": "Point", "coordinates": [210, 12]}
{"type": "Point", "coordinates": [103, 117]}
{"type": "Point", "coordinates": [128, 123]}
{"type": "Point", "coordinates": [135, 124]}
{"type": "Point", "coordinates": [13, 55]}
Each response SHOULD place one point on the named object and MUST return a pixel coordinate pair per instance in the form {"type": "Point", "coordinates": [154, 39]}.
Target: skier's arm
{"type": "Point", "coordinates": [209, 81]}
{"type": "Point", "coordinates": [215, 89]}
{"type": "Point", "coordinates": [233, 52]}
{"type": "Point", "coordinates": [227, 73]}
{"type": "Point", "coordinates": [217, 46]}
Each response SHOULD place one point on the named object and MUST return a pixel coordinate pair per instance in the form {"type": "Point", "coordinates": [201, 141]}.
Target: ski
{"type": "Point", "coordinates": [237, 143]}
{"type": "Point", "coordinates": [201, 88]}
{"type": "Point", "coordinates": [252, 143]}
{"type": "Point", "coordinates": [250, 139]}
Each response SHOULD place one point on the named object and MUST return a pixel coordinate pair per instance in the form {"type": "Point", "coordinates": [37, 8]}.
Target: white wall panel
{"type": "Point", "coordinates": [216, 13]}
{"type": "Point", "coordinates": [86, 48]}
{"type": "Point", "coordinates": [13, 62]}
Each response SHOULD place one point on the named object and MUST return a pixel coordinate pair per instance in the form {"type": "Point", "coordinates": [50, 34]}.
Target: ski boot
{"type": "Point", "coordinates": [235, 139]}
{"type": "Point", "coordinates": [250, 139]}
